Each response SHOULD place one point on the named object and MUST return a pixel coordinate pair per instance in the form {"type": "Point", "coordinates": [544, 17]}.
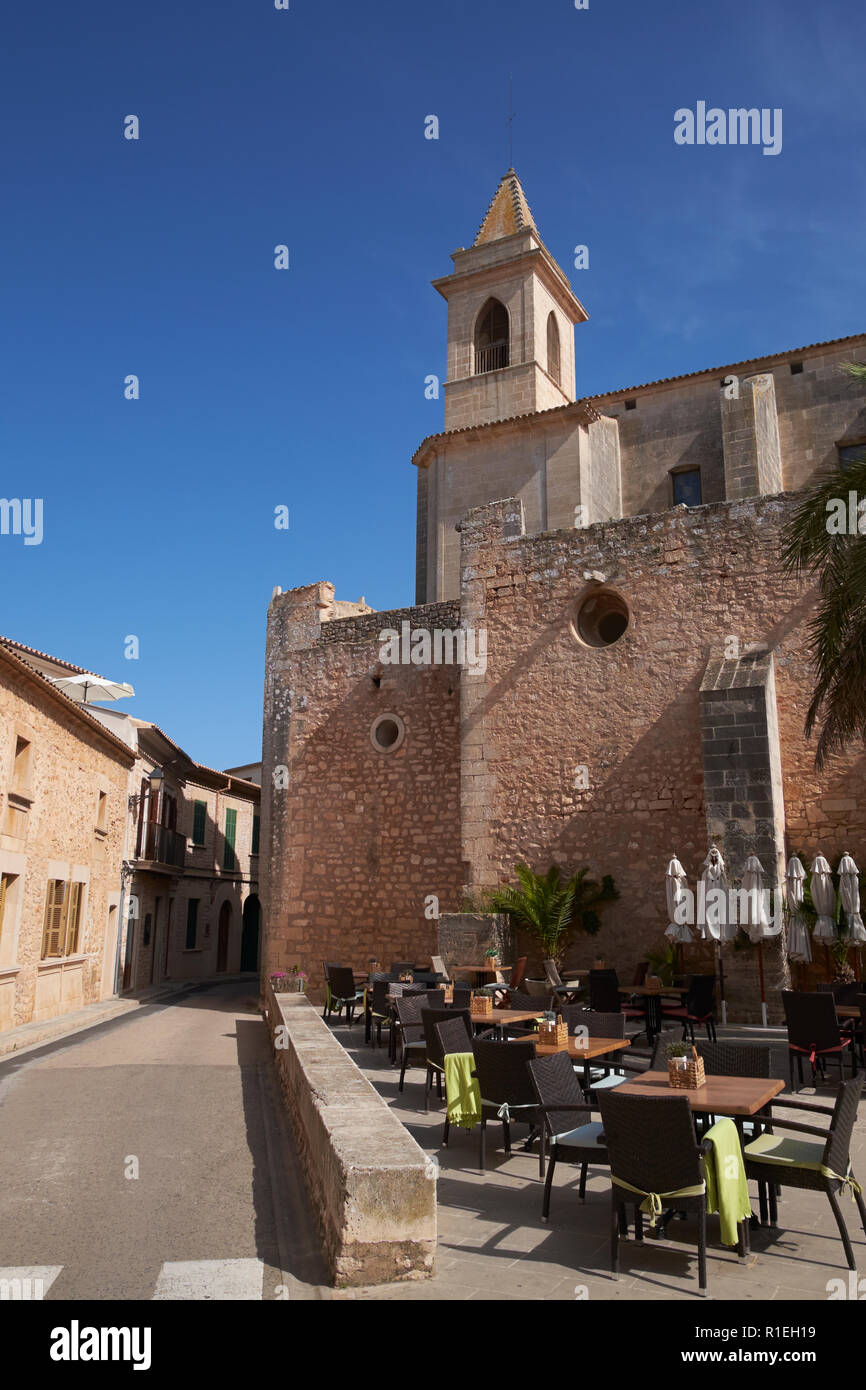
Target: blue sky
{"type": "Point", "coordinates": [305, 388]}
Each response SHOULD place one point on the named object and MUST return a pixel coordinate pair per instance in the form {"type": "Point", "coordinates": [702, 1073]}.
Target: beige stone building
{"type": "Point", "coordinates": [646, 672]}
{"type": "Point", "coordinates": [64, 783]}
{"type": "Point", "coordinates": [162, 887]}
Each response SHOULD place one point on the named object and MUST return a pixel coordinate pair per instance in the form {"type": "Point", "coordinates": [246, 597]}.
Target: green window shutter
{"type": "Point", "coordinates": [229, 859]}
{"type": "Point", "coordinates": [199, 820]}
{"type": "Point", "coordinates": [191, 923]}
{"type": "Point", "coordinates": [257, 822]}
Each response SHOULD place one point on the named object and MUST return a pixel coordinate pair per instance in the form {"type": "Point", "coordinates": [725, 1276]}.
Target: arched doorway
{"type": "Point", "coordinates": [250, 936]}
{"type": "Point", "coordinates": [225, 926]}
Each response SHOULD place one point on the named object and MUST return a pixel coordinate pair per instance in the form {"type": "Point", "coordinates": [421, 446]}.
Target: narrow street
{"type": "Point", "coordinates": [150, 1159]}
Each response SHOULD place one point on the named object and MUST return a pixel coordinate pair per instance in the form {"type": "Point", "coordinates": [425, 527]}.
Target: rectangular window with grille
{"type": "Point", "coordinates": [229, 857]}
{"type": "Point", "coordinates": [199, 821]}
{"type": "Point", "coordinates": [191, 923]}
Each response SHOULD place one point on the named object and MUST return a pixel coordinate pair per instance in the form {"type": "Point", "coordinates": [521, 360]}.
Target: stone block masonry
{"type": "Point", "coordinates": [371, 1187]}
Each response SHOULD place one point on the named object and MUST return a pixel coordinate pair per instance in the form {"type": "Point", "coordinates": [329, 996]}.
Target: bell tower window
{"type": "Point", "coordinates": [553, 367]}
{"type": "Point", "coordinates": [491, 337]}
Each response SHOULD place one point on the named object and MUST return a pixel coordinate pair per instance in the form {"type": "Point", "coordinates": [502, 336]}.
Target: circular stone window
{"type": "Point", "coordinates": [601, 619]}
{"type": "Point", "coordinates": [387, 733]}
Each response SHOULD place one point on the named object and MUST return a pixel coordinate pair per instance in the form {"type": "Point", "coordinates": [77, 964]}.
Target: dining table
{"type": "Point", "coordinates": [650, 997]}
{"type": "Point", "coordinates": [584, 1049]}
{"type": "Point", "coordinates": [480, 971]}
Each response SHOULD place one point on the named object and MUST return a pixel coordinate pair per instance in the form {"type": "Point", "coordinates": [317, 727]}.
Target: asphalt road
{"type": "Point", "coordinates": [151, 1158]}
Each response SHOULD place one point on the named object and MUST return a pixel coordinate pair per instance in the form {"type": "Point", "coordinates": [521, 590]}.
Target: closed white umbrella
{"type": "Point", "coordinates": [824, 899]}
{"type": "Point", "coordinates": [89, 687]}
{"type": "Point", "coordinates": [757, 923]}
{"type": "Point", "coordinates": [675, 893]}
{"type": "Point", "coordinates": [713, 923]}
{"type": "Point", "coordinates": [849, 891]}
{"type": "Point", "coordinates": [799, 945]}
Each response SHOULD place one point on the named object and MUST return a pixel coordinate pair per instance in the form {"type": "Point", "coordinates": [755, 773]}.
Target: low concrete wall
{"type": "Point", "coordinates": [372, 1187]}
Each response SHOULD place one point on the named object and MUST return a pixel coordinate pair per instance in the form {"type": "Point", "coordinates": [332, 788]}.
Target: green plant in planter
{"type": "Point", "coordinates": [663, 963]}
{"type": "Point", "coordinates": [550, 907]}
{"type": "Point", "coordinates": [678, 1049]}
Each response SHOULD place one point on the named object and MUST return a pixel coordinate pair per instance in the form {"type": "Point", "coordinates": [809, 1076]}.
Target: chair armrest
{"type": "Point", "coordinates": [800, 1128]}
{"type": "Point", "coordinates": [803, 1105]}
{"type": "Point", "coordinates": [488, 1033]}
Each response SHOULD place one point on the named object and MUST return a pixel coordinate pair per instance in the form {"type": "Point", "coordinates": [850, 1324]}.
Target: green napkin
{"type": "Point", "coordinates": [725, 1175]}
{"type": "Point", "coordinates": [461, 1090]}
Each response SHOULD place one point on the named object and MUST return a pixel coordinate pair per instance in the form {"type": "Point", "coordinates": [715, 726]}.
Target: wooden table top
{"type": "Point", "coordinates": [584, 1049]}
{"type": "Point", "coordinates": [647, 989]}
{"type": "Point", "coordinates": [482, 969]}
{"type": "Point", "coordinates": [722, 1095]}
{"type": "Point", "coordinates": [847, 1010]}
{"type": "Point", "coordinates": [506, 1015]}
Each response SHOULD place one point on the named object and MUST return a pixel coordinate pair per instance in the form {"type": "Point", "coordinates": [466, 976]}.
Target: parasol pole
{"type": "Point", "coordinates": [763, 988]}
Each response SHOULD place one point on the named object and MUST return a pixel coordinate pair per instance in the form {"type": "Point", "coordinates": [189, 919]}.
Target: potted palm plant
{"type": "Point", "coordinates": [550, 907]}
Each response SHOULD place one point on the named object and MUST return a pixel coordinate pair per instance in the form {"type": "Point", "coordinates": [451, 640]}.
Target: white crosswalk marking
{"type": "Point", "coordinates": [210, 1279]}
{"type": "Point", "coordinates": [27, 1283]}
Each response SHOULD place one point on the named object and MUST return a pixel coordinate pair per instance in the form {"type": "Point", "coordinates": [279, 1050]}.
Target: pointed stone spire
{"type": "Point", "coordinates": [508, 213]}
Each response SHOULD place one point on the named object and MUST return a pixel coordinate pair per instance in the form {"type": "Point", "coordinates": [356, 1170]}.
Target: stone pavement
{"type": "Point", "coordinates": [493, 1243]}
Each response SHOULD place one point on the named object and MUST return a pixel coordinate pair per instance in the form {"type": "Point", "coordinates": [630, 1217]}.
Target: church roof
{"type": "Point", "coordinates": [508, 213]}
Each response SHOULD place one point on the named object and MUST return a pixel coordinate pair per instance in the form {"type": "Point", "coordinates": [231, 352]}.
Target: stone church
{"type": "Point", "coordinates": [645, 676]}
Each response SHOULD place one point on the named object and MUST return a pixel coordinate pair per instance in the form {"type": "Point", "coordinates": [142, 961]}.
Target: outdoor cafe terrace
{"type": "Point", "coordinates": [487, 1078]}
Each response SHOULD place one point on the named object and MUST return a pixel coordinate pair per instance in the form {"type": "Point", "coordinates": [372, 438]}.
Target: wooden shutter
{"type": "Point", "coordinates": [52, 927]}
{"type": "Point", "coordinates": [229, 860]}
{"type": "Point", "coordinates": [73, 917]}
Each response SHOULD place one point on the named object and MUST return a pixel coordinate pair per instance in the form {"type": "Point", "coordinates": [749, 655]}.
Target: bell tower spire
{"type": "Point", "coordinates": [511, 317]}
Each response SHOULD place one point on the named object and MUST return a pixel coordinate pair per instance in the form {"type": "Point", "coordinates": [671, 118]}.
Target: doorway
{"type": "Point", "coordinates": [250, 935]}
{"type": "Point", "coordinates": [225, 925]}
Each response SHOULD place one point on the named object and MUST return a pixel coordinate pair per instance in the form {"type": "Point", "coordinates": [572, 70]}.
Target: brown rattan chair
{"type": "Point", "coordinates": [773, 1159]}
{"type": "Point", "coordinates": [506, 1089]}
{"type": "Point", "coordinates": [814, 1032]}
{"type": "Point", "coordinates": [698, 1006]}
{"type": "Point", "coordinates": [651, 1147]}
{"type": "Point", "coordinates": [561, 1110]}
{"type": "Point", "coordinates": [342, 993]}
{"type": "Point", "coordinates": [433, 1054]}
{"type": "Point", "coordinates": [452, 1037]}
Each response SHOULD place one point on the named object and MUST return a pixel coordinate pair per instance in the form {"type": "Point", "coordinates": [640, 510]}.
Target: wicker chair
{"type": "Point", "coordinates": [505, 1086]}
{"type": "Point", "coordinates": [433, 1054]}
{"type": "Point", "coordinates": [561, 1106]}
{"type": "Point", "coordinates": [772, 1159]}
{"type": "Point", "coordinates": [413, 1047]}
{"type": "Point", "coordinates": [698, 1006]}
{"type": "Point", "coordinates": [452, 1037]}
{"type": "Point", "coordinates": [814, 1032]}
{"type": "Point", "coordinates": [567, 991]}
{"type": "Point", "coordinates": [651, 1146]}
{"type": "Point", "coordinates": [342, 993]}
{"type": "Point", "coordinates": [327, 967]}
{"type": "Point", "coordinates": [842, 993]}
{"type": "Point", "coordinates": [604, 995]}
{"type": "Point", "coordinates": [415, 1000]}
{"type": "Point", "coordinates": [378, 1009]}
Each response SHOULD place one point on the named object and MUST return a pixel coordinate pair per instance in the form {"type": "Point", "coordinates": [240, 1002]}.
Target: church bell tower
{"type": "Point", "coordinates": [511, 317]}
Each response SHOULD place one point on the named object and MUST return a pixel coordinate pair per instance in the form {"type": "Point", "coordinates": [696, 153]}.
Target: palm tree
{"type": "Point", "coordinates": [549, 907]}
{"type": "Point", "coordinates": [837, 633]}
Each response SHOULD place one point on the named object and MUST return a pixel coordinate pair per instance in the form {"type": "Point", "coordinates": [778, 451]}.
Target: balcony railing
{"type": "Point", "coordinates": [490, 359]}
{"type": "Point", "coordinates": [163, 846]}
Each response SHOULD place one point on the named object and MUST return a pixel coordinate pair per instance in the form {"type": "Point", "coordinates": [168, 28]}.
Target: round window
{"type": "Point", "coordinates": [602, 618]}
{"type": "Point", "coordinates": [387, 733]}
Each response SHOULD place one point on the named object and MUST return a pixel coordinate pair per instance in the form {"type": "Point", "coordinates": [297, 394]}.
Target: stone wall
{"type": "Point", "coordinates": [371, 1187]}
{"type": "Point", "coordinates": [584, 755]}
{"type": "Point", "coordinates": [360, 838]}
